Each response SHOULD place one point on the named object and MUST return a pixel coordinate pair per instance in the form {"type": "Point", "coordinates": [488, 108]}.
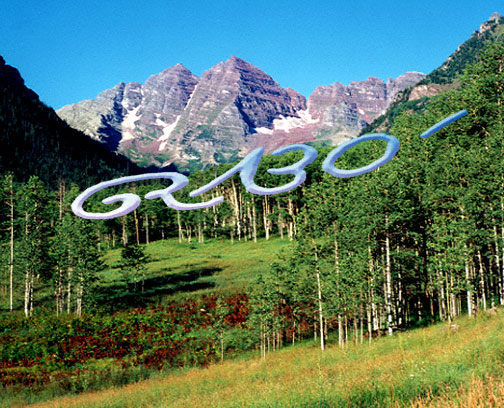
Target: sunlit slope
{"type": "Point", "coordinates": [423, 367]}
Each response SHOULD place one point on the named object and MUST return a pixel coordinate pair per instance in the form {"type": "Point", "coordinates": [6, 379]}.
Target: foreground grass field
{"type": "Point", "coordinates": [423, 367]}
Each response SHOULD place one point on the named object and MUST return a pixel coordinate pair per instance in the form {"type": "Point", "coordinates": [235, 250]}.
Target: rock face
{"type": "Point", "coordinates": [231, 100]}
{"type": "Point", "coordinates": [428, 90]}
{"type": "Point", "coordinates": [130, 117]}
{"type": "Point", "coordinates": [444, 77]}
{"type": "Point", "coordinates": [490, 23]}
{"type": "Point", "coordinates": [234, 107]}
{"type": "Point", "coordinates": [369, 98]}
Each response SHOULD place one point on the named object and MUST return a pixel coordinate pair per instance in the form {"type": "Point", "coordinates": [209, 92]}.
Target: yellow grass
{"type": "Point", "coordinates": [386, 372]}
{"type": "Point", "coordinates": [481, 393]}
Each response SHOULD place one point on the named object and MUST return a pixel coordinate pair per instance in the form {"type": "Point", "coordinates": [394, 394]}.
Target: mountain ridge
{"type": "Point", "coordinates": [442, 78]}
{"type": "Point", "coordinates": [176, 117]}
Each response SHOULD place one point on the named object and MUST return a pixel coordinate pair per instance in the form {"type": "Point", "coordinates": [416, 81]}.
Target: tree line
{"type": "Point", "coordinates": [418, 240]}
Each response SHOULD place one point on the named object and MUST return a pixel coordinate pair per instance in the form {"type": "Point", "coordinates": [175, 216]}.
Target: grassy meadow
{"type": "Point", "coordinates": [200, 268]}
{"type": "Point", "coordinates": [175, 270]}
{"type": "Point", "coordinates": [428, 367]}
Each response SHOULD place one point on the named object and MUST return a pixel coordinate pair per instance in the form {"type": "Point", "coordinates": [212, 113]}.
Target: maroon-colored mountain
{"type": "Point", "coordinates": [234, 107]}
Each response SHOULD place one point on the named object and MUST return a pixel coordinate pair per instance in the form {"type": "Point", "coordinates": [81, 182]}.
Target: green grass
{"type": "Point", "coordinates": [216, 266]}
{"type": "Point", "coordinates": [178, 270]}
{"type": "Point", "coordinates": [423, 367]}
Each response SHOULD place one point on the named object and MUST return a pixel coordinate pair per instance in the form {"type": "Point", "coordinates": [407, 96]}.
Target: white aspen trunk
{"type": "Point", "coordinates": [296, 211]}
{"type": "Point", "coordinates": [290, 227]}
{"type": "Point", "coordinates": [200, 234]}
{"type": "Point", "coordinates": [124, 234]}
{"type": "Point", "coordinates": [502, 248]}
{"type": "Point", "coordinates": [188, 229]}
{"type": "Point", "coordinates": [69, 290]}
{"type": "Point", "coordinates": [245, 220]}
{"type": "Point", "coordinates": [32, 284]}
{"type": "Point", "coordinates": [80, 294]}
{"type": "Point", "coordinates": [27, 275]}
{"type": "Point", "coordinates": [280, 221]}
{"type": "Point", "coordinates": [452, 298]}
{"type": "Point", "coordinates": [337, 271]}
{"type": "Point", "coordinates": [388, 273]}
{"type": "Point", "coordinates": [400, 295]}
{"type": "Point", "coordinates": [59, 292]}
{"type": "Point", "coordinates": [249, 216]}
{"type": "Point", "coordinates": [263, 340]}
{"type": "Point", "coordinates": [241, 217]}
{"type": "Point", "coordinates": [361, 325]}
{"type": "Point", "coordinates": [11, 255]}
{"type": "Point", "coordinates": [374, 310]}
{"type": "Point", "coordinates": [319, 293]}
{"type": "Point", "coordinates": [57, 301]}
{"type": "Point", "coordinates": [482, 281]}
{"type": "Point", "coordinates": [265, 217]}
{"type": "Point", "coordinates": [61, 196]}
{"type": "Point", "coordinates": [254, 221]}
{"type": "Point", "coordinates": [27, 293]}
{"type": "Point", "coordinates": [215, 218]}
{"type": "Point", "coordinates": [498, 263]}
{"type": "Point", "coordinates": [374, 313]}
{"type": "Point", "coordinates": [399, 299]}
{"type": "Point", "coordinates": [346, 329]}
{"type": "Point", "coordinates": [468, 283]}
{"type": "Point", "coordinates": [147, 228]}
{"type": "Point", "coordinates": [236, 210]}
{"type": "Point", "coordinates": [341, 340]}
{"type": "Point", "coordinates": [442, 301]}
{"type": "Point", "coordinates": [369, 319]}
{"type": "Point", "coordinates": [431, 300]}
{"type": "Point", "coordinates": [179, 225]}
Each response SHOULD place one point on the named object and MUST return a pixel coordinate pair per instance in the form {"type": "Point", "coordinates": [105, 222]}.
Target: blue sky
{"type": "Point", "coordinates": [71, 50]}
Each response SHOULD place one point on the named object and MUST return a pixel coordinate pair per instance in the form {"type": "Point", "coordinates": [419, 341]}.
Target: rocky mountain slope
{"type": "Point", "coordinates": [234, 107]}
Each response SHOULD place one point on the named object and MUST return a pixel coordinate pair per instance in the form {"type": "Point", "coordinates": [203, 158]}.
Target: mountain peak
{"type": "Point", "coordinates": [237, 62]}
{"type": "Point", "coordinates": [235, 59]}
{"type": "Point", "coordinates": [495, 17]}
{"type": "Point", "coordinates": [177, 68]}
{"type": "Point", "coordinates": [491, 22]}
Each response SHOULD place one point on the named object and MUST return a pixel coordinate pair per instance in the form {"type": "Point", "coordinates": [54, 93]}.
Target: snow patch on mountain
{"type": "Point", "coordinates": [128, 124]}
{"type": "Point", "coordinates": [167, 130]}
{"type": "Point", "coordinates": [286, 124]}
